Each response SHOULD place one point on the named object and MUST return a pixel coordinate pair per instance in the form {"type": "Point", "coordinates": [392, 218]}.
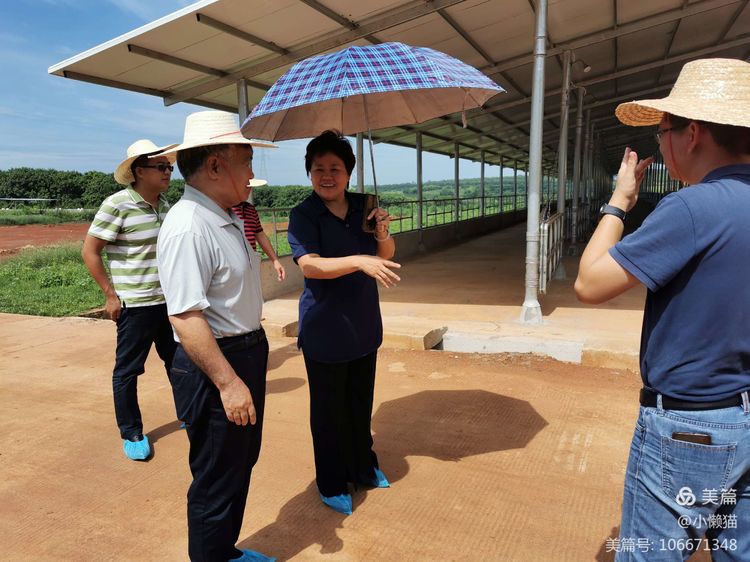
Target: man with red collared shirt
{"type": "Point", "coordinates": [253, 229]}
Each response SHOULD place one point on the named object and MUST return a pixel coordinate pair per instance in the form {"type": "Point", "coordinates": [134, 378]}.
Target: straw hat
{"type": "Point", "coordinates": [205, 128]}
{"type": "Point", "coordinates": [712, 90]}
{"type": "Point", "coordinates": [123, 174]}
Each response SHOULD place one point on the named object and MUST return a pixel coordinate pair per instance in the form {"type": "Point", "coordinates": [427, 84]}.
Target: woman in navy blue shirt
{"type": "Point", "coordinates": [340, 328]}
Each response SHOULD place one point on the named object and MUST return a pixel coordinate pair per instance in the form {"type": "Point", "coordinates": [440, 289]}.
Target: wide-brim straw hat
{"type": "Point", "coordinates": [255, 182]}
{"type": "Point", "coordinates": [143, 147]}
{"type": "Point", "coordinates": [712, 90]}
{"type": "Point", "coordinates": [206, 128]}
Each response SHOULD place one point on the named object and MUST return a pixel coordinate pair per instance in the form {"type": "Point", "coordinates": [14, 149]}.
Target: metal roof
{"type": "Point", "coordinates": [634, 49]}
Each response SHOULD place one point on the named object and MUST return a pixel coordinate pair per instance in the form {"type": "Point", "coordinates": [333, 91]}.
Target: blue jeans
{"type": "Point", "coordinates": [138, 328]}
{"type": "Point", "coordinates": [682, 496]}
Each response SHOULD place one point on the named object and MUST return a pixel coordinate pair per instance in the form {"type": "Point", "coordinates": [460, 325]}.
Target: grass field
{"type": "Point", "coordinates": [53, 281]}
{"type": "Point", "coordinates": [49, 281]}
{"type": "Point", "coordinates": [29, 215]}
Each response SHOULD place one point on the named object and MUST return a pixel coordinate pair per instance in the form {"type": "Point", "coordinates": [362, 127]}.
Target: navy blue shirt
{"type": "Point", "coordinates": [693, 254]}
{"type": "Point", "coordinates": [339, 319]}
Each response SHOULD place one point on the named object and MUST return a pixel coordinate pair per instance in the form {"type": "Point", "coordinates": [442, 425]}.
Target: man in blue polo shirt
{"type": "Point", "coordinates": [687, 484]}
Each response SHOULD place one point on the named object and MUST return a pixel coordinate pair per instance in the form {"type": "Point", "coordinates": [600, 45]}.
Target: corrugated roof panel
{"type": "Point", "coordinates": [567, 20]}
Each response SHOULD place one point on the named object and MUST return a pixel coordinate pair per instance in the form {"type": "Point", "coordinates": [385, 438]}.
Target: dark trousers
{"type": "Point", "coordinates": [341, 397]}
{"type": "Point", "coordinates": [222, 454]}
{"type": "Point", "coordinates": [137, 329]}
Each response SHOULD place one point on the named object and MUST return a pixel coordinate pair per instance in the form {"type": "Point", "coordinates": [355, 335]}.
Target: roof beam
{"type": "Point", "coordinates": [474, 45]}
{"type": "Point", "coordinates": [612, 33]}
{"type": "Point", "coordinates": [139, 89]}
{"type": "Point", "coordinates": [733, 19]}
{"type": "Point", "coordinates": [387, 20]}
{"type": "Point", "coordinates": [624, 97]}
{"type": "Point", "coordinates": [156, 55]}
{"type": "Point", "coordinates": [613, 75]}
{"type": "Point", "coordinates": [616, 47]}
{"type": "Point", "coordinates": [338, 18]}
{"type": "Point", "coordinates": [672, 37]}
{"type": "Point", "coordinates": [249, 37]}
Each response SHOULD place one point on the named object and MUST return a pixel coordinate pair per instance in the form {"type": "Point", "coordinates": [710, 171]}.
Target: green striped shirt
{"type": "Point", "coordinates": [130, 225]}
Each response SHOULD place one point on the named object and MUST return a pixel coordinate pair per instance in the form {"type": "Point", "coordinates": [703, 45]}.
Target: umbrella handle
{"type": "Point", "coordinates": [372, 154]}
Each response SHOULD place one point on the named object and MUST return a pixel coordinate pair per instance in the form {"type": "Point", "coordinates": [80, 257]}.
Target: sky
{"type": "Point", "coordinates": [52, 122]}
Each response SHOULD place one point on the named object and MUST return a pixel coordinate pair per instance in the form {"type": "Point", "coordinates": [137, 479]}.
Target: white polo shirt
{"type": "Point", "coordinates": [205, 263]}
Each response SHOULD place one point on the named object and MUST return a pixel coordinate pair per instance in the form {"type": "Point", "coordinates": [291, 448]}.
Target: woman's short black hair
{"type": "Point", "coordinates": [330, 142]}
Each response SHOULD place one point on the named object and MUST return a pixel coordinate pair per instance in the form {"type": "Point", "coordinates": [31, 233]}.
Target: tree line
{"type": "Point", "coordinates": [88, 189]}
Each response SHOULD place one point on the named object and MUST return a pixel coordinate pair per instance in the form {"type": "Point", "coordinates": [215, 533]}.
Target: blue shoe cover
{"type": "Point", "coordinates": [137, 450]}
{"type": "Point", "coordinates": [341, 503]}
{"type": "Point", "coordinates": [380, 481]}
{"type": "Point", "coordinates": [252, 556]}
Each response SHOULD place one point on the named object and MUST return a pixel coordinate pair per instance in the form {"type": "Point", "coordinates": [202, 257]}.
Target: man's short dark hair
{"type": "Point", "coordinates": [330, 142]}
{"type": "Point", "coordinates": [190, 160]}
{"type": "Point", "coordinates": [733, 139]}
{"type": "Point", "coordinates": [139, 162]}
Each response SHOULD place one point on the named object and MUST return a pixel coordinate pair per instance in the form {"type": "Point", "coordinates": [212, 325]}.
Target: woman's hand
{"type": "Point", "coordinates": [379, 269]}
{"type": "Point", "coordinates": [382, 222]}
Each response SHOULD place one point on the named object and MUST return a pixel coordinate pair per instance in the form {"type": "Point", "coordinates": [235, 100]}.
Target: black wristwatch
{"type": "Point", "coordinates": [612, 210]}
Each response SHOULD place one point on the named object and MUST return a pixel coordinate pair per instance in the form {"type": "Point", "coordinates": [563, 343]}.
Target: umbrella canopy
{"type": "Point", "coordinates": [363, 88]}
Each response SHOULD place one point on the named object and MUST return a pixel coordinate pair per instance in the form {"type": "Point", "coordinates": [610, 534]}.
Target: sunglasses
{"type": "Point", "coordinates": [161, 167]}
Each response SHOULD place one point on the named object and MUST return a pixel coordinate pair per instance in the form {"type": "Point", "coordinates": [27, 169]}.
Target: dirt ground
{"type": "Point", "coordinates": [496, 457]}
{"type": "Point", "coordinates": [491, 457]}
{"type": "Point", "coordinates": [14, 238]}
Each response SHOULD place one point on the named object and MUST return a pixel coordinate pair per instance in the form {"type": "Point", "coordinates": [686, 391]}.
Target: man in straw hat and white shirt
{"type": "Point", "coordinates": [211, 280]}
{"type": "Point", "coordinates": [126, 227]}
{"type": "Point", "coordinates": [687, 484]}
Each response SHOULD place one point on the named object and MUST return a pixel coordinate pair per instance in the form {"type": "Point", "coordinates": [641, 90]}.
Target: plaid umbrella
{"type": "Point", "coordinates": [362, 88]}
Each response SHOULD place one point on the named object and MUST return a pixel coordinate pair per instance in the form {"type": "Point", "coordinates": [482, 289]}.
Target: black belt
{"type": "Point", "coordinates": [243, 341]}
{"type": "Point", "coordinates": [648, 399]}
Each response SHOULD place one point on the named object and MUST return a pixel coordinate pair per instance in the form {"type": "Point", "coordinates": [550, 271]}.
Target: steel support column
{"type": "Point", "coordinates": [573, 250]}
{"type": "Point", "coordinates": [420, 194]}
{"type": "Point", "coordinates": [531, 311]}
{"type": "Point", "coordinates": [481, 183]}
{"type": "Point", "coordinates": [456, 184]}
{"type": "Point", "coordinates": [562, 150]}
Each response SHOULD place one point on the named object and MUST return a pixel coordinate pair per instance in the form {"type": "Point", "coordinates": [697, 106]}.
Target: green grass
{"type": "Point", "coordinates": [30, 215]}
{"type": "Point", "coordinates": [49, 281]}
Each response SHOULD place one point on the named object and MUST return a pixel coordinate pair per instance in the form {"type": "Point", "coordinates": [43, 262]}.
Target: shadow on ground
{"type": "Point", "coordinates": [447, 425]}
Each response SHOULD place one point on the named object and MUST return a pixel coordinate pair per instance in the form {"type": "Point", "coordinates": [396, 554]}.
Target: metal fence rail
{"type": "Point", "coordinates": [435, 212]}
{"type": "Point", "coordinates": [551, 248]}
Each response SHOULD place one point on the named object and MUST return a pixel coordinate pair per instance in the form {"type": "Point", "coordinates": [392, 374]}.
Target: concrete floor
{"type": "Point", "coordinates": [491, 457]}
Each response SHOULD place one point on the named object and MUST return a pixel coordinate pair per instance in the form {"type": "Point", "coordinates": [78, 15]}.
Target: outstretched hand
{"type": "Point", "coordinates": [380, 269]}
{"type": "Point", "coordinates": [629, 178]}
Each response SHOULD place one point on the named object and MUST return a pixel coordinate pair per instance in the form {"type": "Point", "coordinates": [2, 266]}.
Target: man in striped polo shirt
{"type": "Point", "coordinates": [126, 227]}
